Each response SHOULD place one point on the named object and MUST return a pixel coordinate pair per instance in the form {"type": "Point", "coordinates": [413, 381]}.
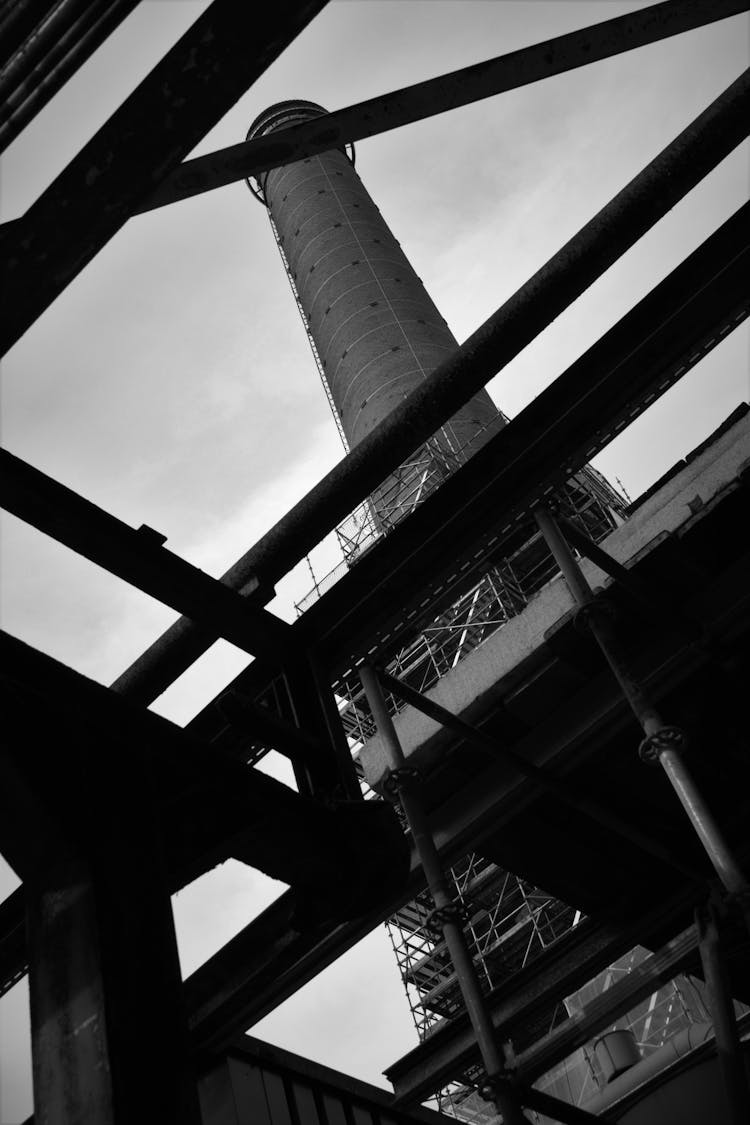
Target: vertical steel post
{"type": "Point", "coordinates": [447, 913]}
{"type": "Point", "coordinates": [728, 1049]}
{"type": "Point", "coordinates": [109, 1035]}
{"type": "Point", "coordinates": [331, 775]}
{"type": "Point", "coordinates": [70, 1045]}
{"type": "Point", "coordinates": [663, 743]}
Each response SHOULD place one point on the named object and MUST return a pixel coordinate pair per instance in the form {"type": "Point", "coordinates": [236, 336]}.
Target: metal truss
{"type": "Point", "coordinates": [438, 643]}
{"type": "Point", "coordinates": [108, 836]}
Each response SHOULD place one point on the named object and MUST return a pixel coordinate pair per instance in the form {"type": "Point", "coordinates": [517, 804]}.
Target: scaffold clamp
{"type": "Point", "coordinates": [598, 611]}
{"type": "Point", "coordinates": [490, 1085]}
{"type": "Point", "coordinates": [397, 778]}
{"type": "Point", "coordinates": [666, 738]}
{"type": "Point", "coordinates": [438, 918]}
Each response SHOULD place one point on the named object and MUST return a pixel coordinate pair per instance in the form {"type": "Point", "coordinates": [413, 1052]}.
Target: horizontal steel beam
{"type": "Point", "coordinates": [649, 196]}
{"type": "Point", "coordinates": [138, 557]}
{"type": "Point", "coordinates": [172, 109]}
{"type": "Point", "coordinates": [439, 95]}
{"type": "Point", "coordinates": [642, 980]}
{"type": "Point", "coordinates": [567, 965]}
{"type": "Point", "coordinates": [543, 779]}
{"type": "Point", "coordinates": [211, 806]}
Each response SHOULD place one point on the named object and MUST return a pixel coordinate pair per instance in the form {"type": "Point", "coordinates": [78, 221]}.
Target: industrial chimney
{"type": "Point", "coordinates": [374, 329]}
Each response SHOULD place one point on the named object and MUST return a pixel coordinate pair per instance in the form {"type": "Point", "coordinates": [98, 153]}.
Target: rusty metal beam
{"type": "Point", "coordinates": [439, 95]}
{"type": "Point", "coordinates": [18, 21]}
{"type": "Point", "coordinates": [102, 951]}
{"type": "Point", "coordinates": [138, 557]}
{"type": "Point", "coordinates": [649, 349]}
{"type": "Point", "coordinates": [64, 54]}
{"type": "Point", "coordinates": [192, 87]}
{"type": "Point", "coordinates": [543, 779]}
{"type": "Point", "coordinates": [212, 806]}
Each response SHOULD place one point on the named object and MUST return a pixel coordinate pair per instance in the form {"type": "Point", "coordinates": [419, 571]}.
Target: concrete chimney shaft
{"type": "Point", "coordinates": [375, 327]}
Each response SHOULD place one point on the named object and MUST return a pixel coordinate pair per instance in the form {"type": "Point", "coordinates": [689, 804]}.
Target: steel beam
{"type": "Point", "coordinates": [439, 95]}
{"type": "Point", "coordinates": [267, 963]}
{"type": "Point", "coordinates": [212, 807]}
{"type": "Point", "coordinates": [18, 21]}
{"type": "Point", "coordinates": [644, 979]}
{"type": "Point", "coordinates": [138, 557]}
{"type": "Point", "coordinates": [192, 87]}
{"type": "Point", "coordinates": [566, 966]}
{"type": "Point", "coordinates": [662, 742]}
{"type": "Point", "coordinates": [462, 529]}
{"type": "Point", "coordinates": [649, 196]}
{"type": "Point", "coordinates": [330, 775]}
{"type": "Point", "coordinates": [64, 55]}
{"type": "Point", "coordinates": [102, 952]}
{"type": "Point", "coordinates": [542, 779]}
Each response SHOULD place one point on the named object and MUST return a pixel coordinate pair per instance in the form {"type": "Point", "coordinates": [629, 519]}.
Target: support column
{"type": "Point", "coordinates": [109, 1036]}
{"type": "Point", "coordinates": [70, 1047]}
{"type": "Point", "coordinates": [446, 915]}
{"type": "Point", "coordinates": [333, 775]}
{"type": "Point", "coordinates": [728, 1049]}
{"type": "Point", "coordinates": [662, 743]}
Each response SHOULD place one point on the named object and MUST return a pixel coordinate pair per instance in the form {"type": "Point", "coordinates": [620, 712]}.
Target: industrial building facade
{"type": "Point", "coordinates": [546, 685]}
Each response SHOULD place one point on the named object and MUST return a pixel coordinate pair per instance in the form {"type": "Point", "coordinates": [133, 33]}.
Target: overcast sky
{"type": "Point", "coordinates": [172, 383]}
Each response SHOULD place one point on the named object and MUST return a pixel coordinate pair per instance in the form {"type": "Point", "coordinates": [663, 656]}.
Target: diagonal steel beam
{"type": "Point", "coordinates": [648, 197]}
{"type": "Point", "coordinates": [439, 95]}
{"type": "Point", "coordinates": [139, 558]}
{"type": "Point", "coordinates": [60, 724]}
{"type": "Point", "coordinates": [65, 51]}
{"type": "Point", "coordinates": [192, 87]}
{"type": "Point", "coordinates": [543, 779]}
{"type": "Point", "coordinates": [570, 962]}
{"type": "Point", "coordinates": [644, 979]}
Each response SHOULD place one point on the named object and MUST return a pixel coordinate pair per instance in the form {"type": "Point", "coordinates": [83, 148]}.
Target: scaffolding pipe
{"type": "Point", "coordinates": [542, 778]}
{"type": "Point", "coordinates": [648, 197]}
{"type": "Point", "coordinates": [721, 1006]}
{"type": "Point", "coordinates": [662, 743]}
{"type": "Point", "coordinates": [498, 1085]}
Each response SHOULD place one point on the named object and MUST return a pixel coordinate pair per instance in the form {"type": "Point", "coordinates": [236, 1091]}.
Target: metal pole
{"type": "Point", "coordinates": [543, 778]}
{"type": "Point", "coordinates": [447, 911]}
{"type": "Point", "coordinates": [663, 743]}
{"type": "Point", "coordinates": [728, 1049]}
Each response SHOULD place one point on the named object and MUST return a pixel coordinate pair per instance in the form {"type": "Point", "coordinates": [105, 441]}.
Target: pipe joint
{"type": "Point", "coordinates": [442, 916]}
{"type": "Point", "coordinates": [599, 611]}
{"type": "Point", "coordinates": [399, 778]}
{"type": "Point", "coordinates": [666, 738]}
{"type": "Point", "coordinates": [494, 1085]}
